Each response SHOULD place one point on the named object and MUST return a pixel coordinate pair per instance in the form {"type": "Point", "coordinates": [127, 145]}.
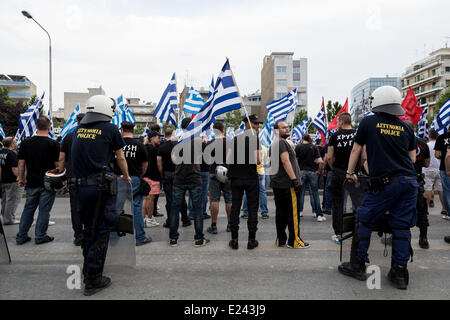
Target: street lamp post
{"type": "Point", "coordinates": [28, 15]}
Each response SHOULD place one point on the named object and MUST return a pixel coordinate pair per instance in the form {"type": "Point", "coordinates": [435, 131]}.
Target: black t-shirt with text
{"type": "Point", "coordinates": [422, 153]}
{"type": "Point", "coordinates": [442, 145]}
{"type": "Point", "coordinates": [152, 169]}
{"type": "Point", "coordinates": [388, 141]}
{"type": "Point", "coordinates": [342, 143]}
{"type": "Point", "coordinates": [136, 155]}
{"type": "Point", "coordinates": [306, 155]}
{"type": "Point", "coordinates": [93, 148]}
{"type": "Point", "coordinates": [40, 155]}
{"type": "Point", "coordinates": [165, 152]}
{"type": "Point", "coordinates": [243, 156]}
{"type": "Point", "coordinates": [8, 160]}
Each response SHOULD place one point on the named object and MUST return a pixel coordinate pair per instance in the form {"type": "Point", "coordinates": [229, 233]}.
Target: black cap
{"type": "Point", "coordinates": [152, 134]}
{"type": "Point", "coordinates": [127, 125]}
{"type": "Point", "coordinates": [253, 118]}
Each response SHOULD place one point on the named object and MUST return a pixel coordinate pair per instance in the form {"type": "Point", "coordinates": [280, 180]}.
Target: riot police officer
{"type": "Point", "coordinates": [95, 142]}
{"type": "Point", "coordinates": [391, 153]}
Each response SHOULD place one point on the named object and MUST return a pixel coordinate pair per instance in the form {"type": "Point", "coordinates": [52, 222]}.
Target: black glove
{"type": "Point", "coordinates": [295, 183]}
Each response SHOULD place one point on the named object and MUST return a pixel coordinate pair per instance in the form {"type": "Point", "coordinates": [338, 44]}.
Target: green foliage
{"type": "Point", "coordinates": [299, 117]}
{"type": "Point", "coordinates": [233, 119]}
{"type": "Point", "coordinates": [333, 109]}
{"type": "Point", "coordinates": [139, 129]}
{"type": "Point", "coordinates": [9, 113]}
{"type": "Point", "coordinates": [441, 100]}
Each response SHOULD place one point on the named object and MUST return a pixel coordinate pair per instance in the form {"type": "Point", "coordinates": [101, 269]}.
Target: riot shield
{"type": "Point", "coordinates": [122, 244]}
{"type": "Point", "coordinates": [5, 257]}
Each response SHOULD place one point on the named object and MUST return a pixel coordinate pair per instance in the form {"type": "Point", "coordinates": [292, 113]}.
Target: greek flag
{"type": "Point", "coordinates": [71, 124]}
{"type": "Point", "coordinates": [320, 122]}
{"type": "Point", "coordinates": [225, 98]}
{"type": "Point", "coordinates": [194, 102]}
{"type": "Point", "coordinates": [282, 107]}
{"type": "Point", "coordinates": [27, 121]}
{"type": "Point", "coordinates": [2, 133]}
{"type": "Point", "coordinates": [51, 134]}
{"type": "Point", "coordinates": [241, 129]}
{"type": "Point", "coordinates": [165, 111]}
{"type": "Point", "coordinates": [300, 130]}
{"type": "Point", "coordinates": [267, 133]}
{"type": "Point", "coordinates": [442, 121]}
{"type": "Point", "coordinates": [422, 126]}
{"type": "Point", "coordinates": [146, 131]}
{"type": "Point", "coordinates": [129, 117]}
{"type": "Point", "coordinates": [230, 133]}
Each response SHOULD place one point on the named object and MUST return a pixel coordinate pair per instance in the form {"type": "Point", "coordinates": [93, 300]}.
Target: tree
{"type": "Point", "coordinates": [333, 109]}
{"type": "Point", "coordinates": [299, 117]}
{"type": "Point", "coordinates": [442, 99]}
{"type": "Point", "coordinates": [10, 113]}
{"type": "Point", "coordinates": [233, 119]}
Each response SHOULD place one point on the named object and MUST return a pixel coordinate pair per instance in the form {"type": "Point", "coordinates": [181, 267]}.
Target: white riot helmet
{"type": "Point", "coordinates": [99, 108]}
{"type": "Point", "coordinates": [221, 174]}
{"type": "Point", "coordinates": [387, 99]}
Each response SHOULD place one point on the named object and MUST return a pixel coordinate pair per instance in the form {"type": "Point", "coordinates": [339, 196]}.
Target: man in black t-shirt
{"type": "Point", "coordinates": [155, 127]}
{"type": "Point", "coordinates": [339, 149]}
{"type": "Point", "coordinates": [243, 157]}
{"type": "Point", "coordinates": [441, 148]}
{"type": "Point", "coordinates": [310, 163]}
{"type": "Point", "coordinates": [37, 155]}
{"type": "Point", "coordinates": [286, 185]}
{"type": "Point", "coordinates": [137, 162]}
{"type": "Point", "coordinates": [391, 153]}
{"type": "Point", "coordinates": [11, 192]}
{"type": "Point", "coordinates": [64, 162]}
{"type": "Point", "coordinates": [166, 169]}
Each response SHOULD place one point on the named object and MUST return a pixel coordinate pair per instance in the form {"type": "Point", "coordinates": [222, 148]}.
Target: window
{"type": "Point", "coordinates": [447, 69]}
{"type": "Point", "coordinates": [281, 69]}
{"type": "Point", "coordinates": [281, 82]}
{"type": "Point", "coordinates": [296, 69]}
{"type": "Point", "coordinates": [433, 72]}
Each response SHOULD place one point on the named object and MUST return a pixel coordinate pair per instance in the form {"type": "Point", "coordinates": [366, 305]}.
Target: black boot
{"type": "Point", "coordinates": [355, 269]}
{"type": "Point", "coordinates": [95, 284]}
{"type": "Point", "coordinates": [423, 242]}
{"type": "Point", "coordinates": [399, 276]}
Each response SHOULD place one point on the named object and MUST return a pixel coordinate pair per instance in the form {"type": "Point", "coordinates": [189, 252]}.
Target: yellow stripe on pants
{"type": "Point", "coordinates": [297, 242]}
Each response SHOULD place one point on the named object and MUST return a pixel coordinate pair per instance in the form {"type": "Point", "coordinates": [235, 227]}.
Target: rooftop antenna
{"type": "Point", "coordinates": [446, 42]}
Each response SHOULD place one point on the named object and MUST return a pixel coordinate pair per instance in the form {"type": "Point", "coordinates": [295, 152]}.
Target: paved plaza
{"type": "Point", "coordinates": [217, 272]}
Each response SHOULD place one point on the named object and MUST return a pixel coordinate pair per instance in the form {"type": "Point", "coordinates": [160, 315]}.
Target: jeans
{"type": "Point", "coordinates": [36, 197]}
{"type": "Point", "coordinates": [122, 195]}
{"type": "Point", "coordinates": [262, 197]}
{"type": "Point", "coordinates": [205, 187]}
{"type": "Point", "coordinates": [11, 194]}
{"type": "Point", "coordinates": [168, 187]}
{"type": "Point", "coordinates": [310, 179]}
{"type": "Point", "coordinates": [327, 195]}
{"type": "Point", "coordinates": [445, 180]}
{"type": "Point", "coordinates": [179, 193]}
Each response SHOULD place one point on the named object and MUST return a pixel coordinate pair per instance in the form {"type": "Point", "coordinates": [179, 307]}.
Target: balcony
{"type": "Point", "coordinates": [433, 89]}
{"type": "Point", "coordinates": [410, 73]}
{"type": "Point", "coordinates": [19, 95]}
{"type": "Point", "coordinates": [10, 83]}
{"type": "Point", "coordinates": [438, 75]}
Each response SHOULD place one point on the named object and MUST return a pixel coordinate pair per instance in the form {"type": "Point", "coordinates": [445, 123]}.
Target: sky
{"type": "Point", "coordinates": [133, 47]}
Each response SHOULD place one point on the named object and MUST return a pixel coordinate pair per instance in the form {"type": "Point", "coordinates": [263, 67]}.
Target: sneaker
{"type": "Point", "coordinates": [228, 228]}
{"type": "Point", "coordinates": [201, 242]}
{"type": "Point", "coordinates": [336, 239]}
{"type": "Point", "coordinates": [447, 239]}
{"type": "Point", "coordinates": [252, 244]}
{"type": "Point", "coordinates": [321, 219]}
{"type": "Point", "coordinates": [173, 242]}
{"type": "Point", "coordinates": [187, 223]}
{"type": "Point", "coordinates": [355, 269]}
{"type": "Point", "coordinates": [423, 243]}
{"type": "Point", "coordinates": [19, 243]}
{"type": "Point", "coordinates": [93, 288]}
{"type": "Point", "coordinates": [265, 216]}
{"type": "Point", "coordinates": [46, 239]}
{"type": "Point", "coordinates": [431, 204]}
{"type": "Point", "coordinates": [12, 223]}
{"type": "Point", "coordinates": [149, 223]}
{"type": "Point", "coordinates": [445, 215]}
{"type": "Point", "coordinates": [244, 216]}
{"type": "Point", "coordinates": [166, 225]}
{"type": "Point", "coordinates": [280, 244]}
{"type": "Point", "coordinates": [212, 230]}
{"type": "Point", "coordinates": [147, 240]}
{"type": "Point", "coordinates": [301, 245]}
{"type": "Point", "coordinates": [399, 276]}
{"type": "Point", "coordinates": [233, 244]}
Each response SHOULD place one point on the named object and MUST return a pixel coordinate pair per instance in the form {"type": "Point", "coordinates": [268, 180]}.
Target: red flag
{"type": "Point", "coordinates": [413, 112]}
{"type": "Point", "coordinates": [333, 124]}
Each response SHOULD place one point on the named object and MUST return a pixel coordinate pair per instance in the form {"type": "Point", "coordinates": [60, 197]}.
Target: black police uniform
{"type": "Point", "coordinates": [244, 178]}
{"type": "Point", "coordinates": [342, 143]}
{"type": "Point", "coordinates": [93, 148]}
{"type": "Point", "coordinates": [422, 153]}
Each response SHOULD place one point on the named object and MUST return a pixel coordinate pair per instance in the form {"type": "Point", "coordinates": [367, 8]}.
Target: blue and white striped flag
{"type": "Point", "coordinates": [422, 126]}
{"type": "Point", "coordinates": [51, 134]}
{"type": "Point", "coordinates": [230, 133]}
{"type": "Point", "coordinates": [194, 102]}
{"type": "Point", "coordinates": [241, 129]}
{"type": "Point", "coordinates": [225, 98]}
{"type": "Point", "coordinates": [299, 130]}
{"type": "Point", "coordinates": [129, 117]}
{"type": "Point", "coordinates": [71, 124]}
{"type": "Point", "coordinates": [442, 121]}
{"type": "Point", "coordinates": [320, 122]}
{"type": "Point", "coordinates": [146, 131]}
{"type": "Point", "coordinates": [165, 111]}
{"type": "Point", "coordinates": [267, 133]}
{"type": "Point", "coordinates": [282, 107]}
{"type": "Point", "coordinates": [2, 133]}
{"type": "Point", "coordinates": [27, 121]}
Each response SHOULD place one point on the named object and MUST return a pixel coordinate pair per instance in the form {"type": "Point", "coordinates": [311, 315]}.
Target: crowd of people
{"type": "Point", "coordinates": [239, 169]}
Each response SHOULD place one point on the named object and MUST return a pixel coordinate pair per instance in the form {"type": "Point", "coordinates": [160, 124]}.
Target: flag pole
{"type": "Point", "coordinates": [245, 109]}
